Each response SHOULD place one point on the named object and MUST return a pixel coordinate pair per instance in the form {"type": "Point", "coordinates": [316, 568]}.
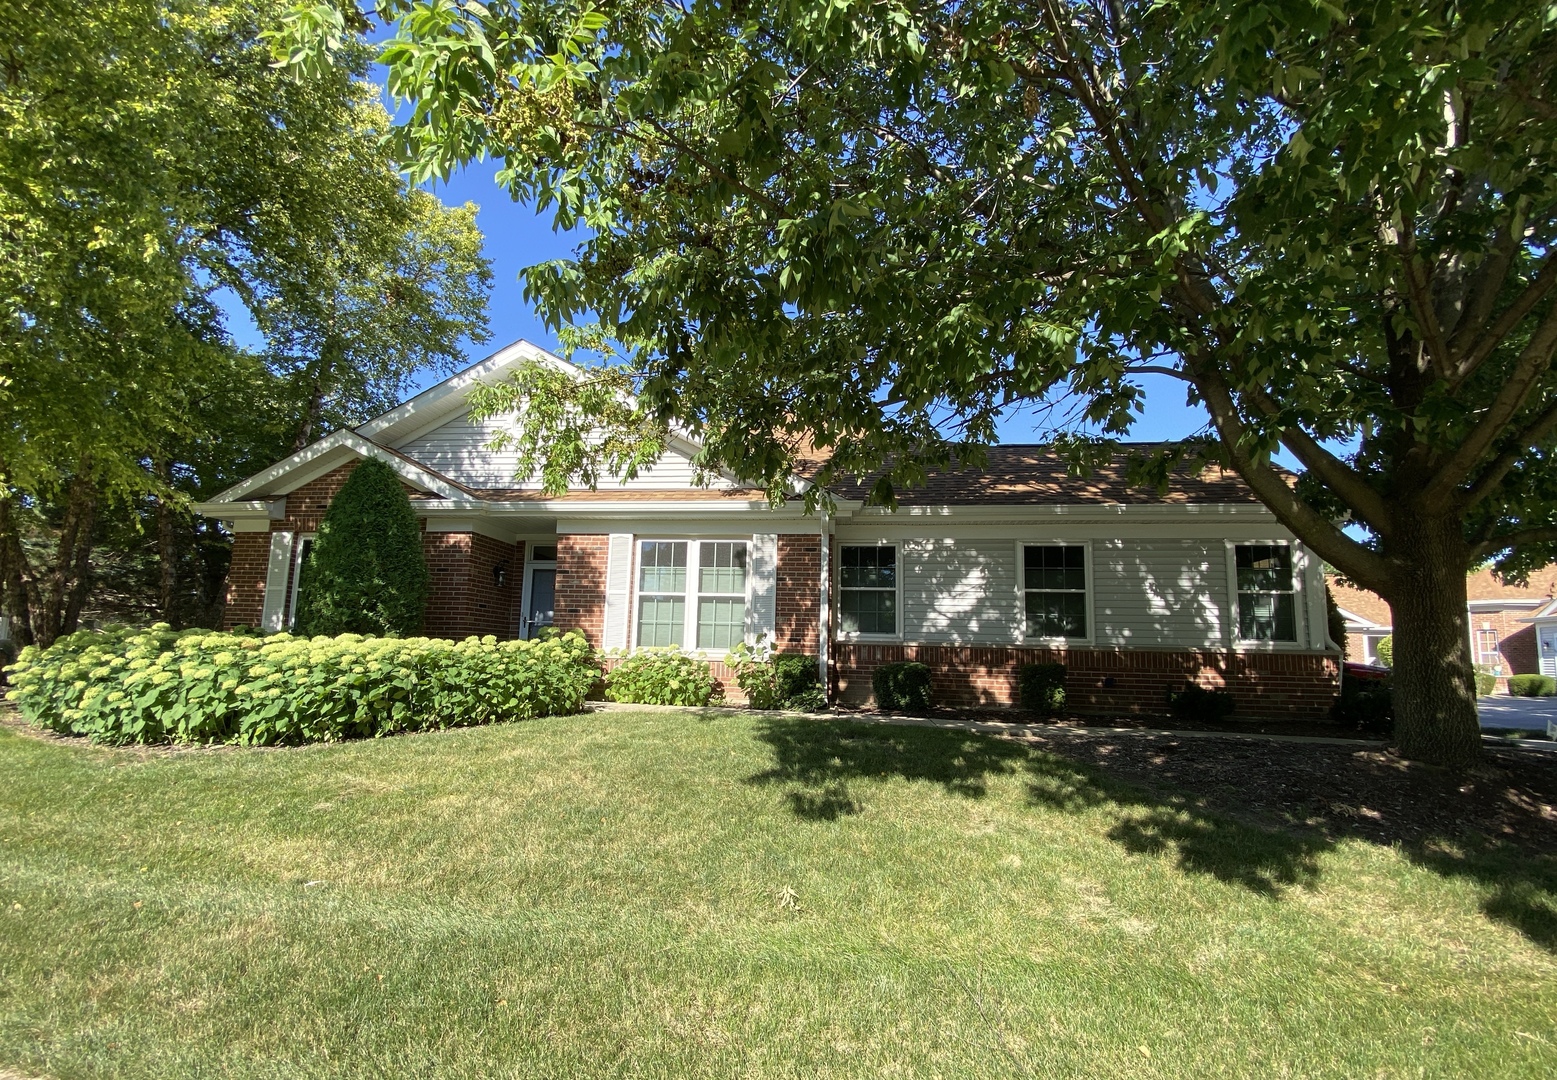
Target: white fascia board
{"type": "Point", "coordinates": [296, 467]}
{"type": "Point", "coordinates": [1356, 624]}
{"type": "Point", "coordinates": [1494, 605]}
{"type": "Point", "coordinates": [446, 397]}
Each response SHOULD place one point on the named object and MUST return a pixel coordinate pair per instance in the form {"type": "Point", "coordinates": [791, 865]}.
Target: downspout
{"type": "Point", "coordinates": [824, 632]}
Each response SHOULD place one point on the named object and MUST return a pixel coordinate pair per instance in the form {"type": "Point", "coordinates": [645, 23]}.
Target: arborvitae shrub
{"type": "Point", "coordinates": [1335, 622]}
{"type": "Point", "coordinates": [366, 573]}
{"type": "Point", "coordinates": [903, 686]}
{"type": "Point", "coordinates": [1042, 687]}
{"type": "Point", "coordinates": [1386, 650]}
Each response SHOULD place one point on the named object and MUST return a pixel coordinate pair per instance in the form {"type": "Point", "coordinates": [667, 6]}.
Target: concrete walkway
{"type": "Point", "coordinates": [1506, 711]}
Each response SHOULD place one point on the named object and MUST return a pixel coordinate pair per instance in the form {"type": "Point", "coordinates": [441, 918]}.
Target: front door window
{"type": "Point", "coordinates": [540, 592]}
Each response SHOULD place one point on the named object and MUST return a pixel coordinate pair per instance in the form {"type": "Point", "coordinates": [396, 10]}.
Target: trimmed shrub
{"type": "Point", "coordinates": [1197, 703]}
{"type": "Point", "coordinates": [199, 686]}
{"type": "Point", "coordinates": [662, 677]}
{"type": "Point", "coordinates": [781, 681]}
{"type": "Point", "coordinates": [1042, 687]}
{"type": "Point", "coordinates": [1486, 682]}
{"type": "Point", "coordinates": [366, 573]}
{"type": "Point", "coordinates": [1335, 622]}
{"type": "Point", "coordinates": [1532, 685]}
{"type": "Point", "coordinates": [903, 686]}
{"type": "Point", "coordinates": [1365, 704]}
{"type": "Point", "coordinates": [1386, 650]}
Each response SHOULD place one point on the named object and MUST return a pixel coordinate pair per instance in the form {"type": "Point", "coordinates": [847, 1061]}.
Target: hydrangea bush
{"type": "Point", "coordinates": [662, 677]}
{"type": "Point", "coordinates": [141, 686]}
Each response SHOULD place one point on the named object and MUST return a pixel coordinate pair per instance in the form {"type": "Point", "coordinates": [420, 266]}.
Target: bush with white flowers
{"type": "Point", "coordinates": [199, 686]}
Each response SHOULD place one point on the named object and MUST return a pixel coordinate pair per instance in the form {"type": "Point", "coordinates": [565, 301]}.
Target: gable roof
{"type": "Point", "coordinates": [330, 452]}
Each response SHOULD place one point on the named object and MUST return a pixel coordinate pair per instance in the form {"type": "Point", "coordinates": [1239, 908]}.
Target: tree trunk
{"type": "Point", "coordinates": [1434, 682]}
{"type": "Point", "coordinates": [13, 559]}
{"type": "Point", "coordinates": [167, 552]}
{"type": "Point", "coordinates": [64, 591]}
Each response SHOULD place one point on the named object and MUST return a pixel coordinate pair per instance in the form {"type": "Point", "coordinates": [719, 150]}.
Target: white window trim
{"type": "Point", "coordinates": [690, 596]}
{"type": "Point", "coordinates": [837, 591]}
{"type": "Point", "coordinates": [1021, 592]}
{"type": "Point", "coordinates": [299, 542]}
{"type": "Point", "coordinates": [1300, 597]}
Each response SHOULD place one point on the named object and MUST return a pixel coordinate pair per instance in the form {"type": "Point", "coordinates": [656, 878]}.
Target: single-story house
{"type": "Point", "coordinates": [1504, 623]}
{"type": "Point", "coordinates": [975, 573]}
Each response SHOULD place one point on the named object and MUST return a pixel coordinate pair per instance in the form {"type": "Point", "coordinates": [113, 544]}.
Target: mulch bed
{"type": "Point", "coordinates": [1339, 790]}
{"type": "Point", "coordinates": [1366, 791]}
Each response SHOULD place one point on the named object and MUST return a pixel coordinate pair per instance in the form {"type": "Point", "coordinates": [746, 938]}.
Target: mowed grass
{"type": "Point", "coordinates": [665, 894]}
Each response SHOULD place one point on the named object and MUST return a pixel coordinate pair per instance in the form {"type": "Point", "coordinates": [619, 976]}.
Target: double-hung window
{"type": "Point", "coordinates": [1267, 593]}
{"type": "Point", "coordinates": [721, 594]}
{"type": "Point", "coordinates": [715, 594]}
{"type": "Point", "coordinates": [867, 589]}
{"type": "Point", "coordinates": [305, 548]}
{"type": "Point", "coordinates": [1054, 588]}
{"type": "Point", "coordinates": [1489, 652]}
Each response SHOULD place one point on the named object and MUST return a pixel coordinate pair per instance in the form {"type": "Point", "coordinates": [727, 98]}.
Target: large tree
{"type": "Point", "coordinates": [878, 225]}
{"type": "Point", "coordinates": [153, 163]}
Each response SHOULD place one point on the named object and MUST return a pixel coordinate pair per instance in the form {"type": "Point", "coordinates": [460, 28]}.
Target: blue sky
{"type": "Point", "coordinates": [517, 237]}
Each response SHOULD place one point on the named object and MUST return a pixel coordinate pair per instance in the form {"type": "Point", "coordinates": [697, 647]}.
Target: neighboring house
{"type": "Point", "coordinates": [975, 573]}
{"type": "Point", "coordinates": [1504, 639]}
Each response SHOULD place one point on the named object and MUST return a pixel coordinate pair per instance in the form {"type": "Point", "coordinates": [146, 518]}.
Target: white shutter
{"type": "Point", "coordinates": [762, 587]}
{"type": "Point", "coordinates": [275, 613]}
{"type": "Point", "coordinates": [619, 562]}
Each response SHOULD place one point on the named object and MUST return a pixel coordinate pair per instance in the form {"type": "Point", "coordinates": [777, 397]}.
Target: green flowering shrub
{"type": "Point", "coordinates": [141, 686]}
{"type": "Point", "coordinates": [662, 677]}
{"type": "Point", "coordinates": [777, 680]}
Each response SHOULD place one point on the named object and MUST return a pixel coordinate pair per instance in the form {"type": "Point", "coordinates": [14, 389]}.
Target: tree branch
{"type": "Point", "coordinates": [1540, 534]}
{"type": "Point", "coordinates": [1534, 432]}
{"type": "Point", "coordinates": [1533, 362]}
{"type": "Point", "coordinates": [1516, 312]}
{"type": "Point", "coordinates": [1361, 564]}
{"type": "Point", "coordinates": [1344, 480]}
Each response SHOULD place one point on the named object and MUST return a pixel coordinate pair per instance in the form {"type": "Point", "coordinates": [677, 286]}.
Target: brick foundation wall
{"type": "Point", "coordinates": [491, 605]}
{"type": "Point", "coordinates": [581, 584]}
{"type": "Point", "coordinates": [797, 594]}
{"type": "Point", "coordinates": [1101, 680]}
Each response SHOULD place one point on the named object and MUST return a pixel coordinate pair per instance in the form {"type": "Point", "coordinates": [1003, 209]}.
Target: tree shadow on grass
{"type": "Point", "coordinates": [816, 762]}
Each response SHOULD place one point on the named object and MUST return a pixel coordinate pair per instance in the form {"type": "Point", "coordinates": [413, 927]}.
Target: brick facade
{"type": "Point", "coordinates": [581, 584]}
{"type": "Point", "coordinates": [246, 580]}
{"type": "Point", "coordinates": [1103, 680]}
{"type": "Point", "coordinates": [798, 594]}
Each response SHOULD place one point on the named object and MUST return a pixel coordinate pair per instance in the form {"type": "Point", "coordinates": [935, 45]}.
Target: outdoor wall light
{"type": "Point", "coordinates": [500, 574]}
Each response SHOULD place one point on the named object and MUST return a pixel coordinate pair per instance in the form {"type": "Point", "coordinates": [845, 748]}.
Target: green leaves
{"type": "Point", "coordinates": [202, 687]}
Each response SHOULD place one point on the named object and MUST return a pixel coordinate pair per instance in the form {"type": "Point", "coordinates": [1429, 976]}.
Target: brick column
{"type": "Point", "coordinates": [798, 602]}
{"type": "Point", "coordinates": [581, 584]}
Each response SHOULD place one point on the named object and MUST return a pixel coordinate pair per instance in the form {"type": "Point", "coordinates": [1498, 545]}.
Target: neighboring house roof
{"type": "Point", "coordinates": [1484, 594]}
{"type": "Point", "coordinates": [1030, 475]}
{"type": "Point", "coordinates": [1357, 624]}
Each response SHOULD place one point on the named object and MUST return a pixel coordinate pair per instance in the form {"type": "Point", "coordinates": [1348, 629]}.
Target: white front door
{"type": "Point", "coordinates": [540, 595]}
{"type": "Point", "coordinates": [1548, 638]}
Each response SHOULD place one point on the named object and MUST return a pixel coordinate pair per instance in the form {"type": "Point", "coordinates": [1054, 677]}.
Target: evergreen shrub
{"type": "Point", "coordinates": [662, 677]}
{"type": "Point", "coordinates": [199, 686]}
{"type": "Point", "coordinates": [1532, 685]}
{"type": "Point", "coordinates": [1365, 704]}
{"type": "Point", "coordinates": [903, 687]}
{"type": "Point", "coordinates": [1042, 688]}
{"type": "Point", "coordinates": [1486, 682]}
{"type": "Point", "coordinates": [1198, 703]}
{"type": "Point", "coordinates": [1386, 650]}
{"type": "Point", "coordinates": [366, 573]}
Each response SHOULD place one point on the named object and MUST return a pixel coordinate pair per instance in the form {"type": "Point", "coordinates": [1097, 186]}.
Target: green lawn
{"type": "Point", "coordinates": [668, 895]}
